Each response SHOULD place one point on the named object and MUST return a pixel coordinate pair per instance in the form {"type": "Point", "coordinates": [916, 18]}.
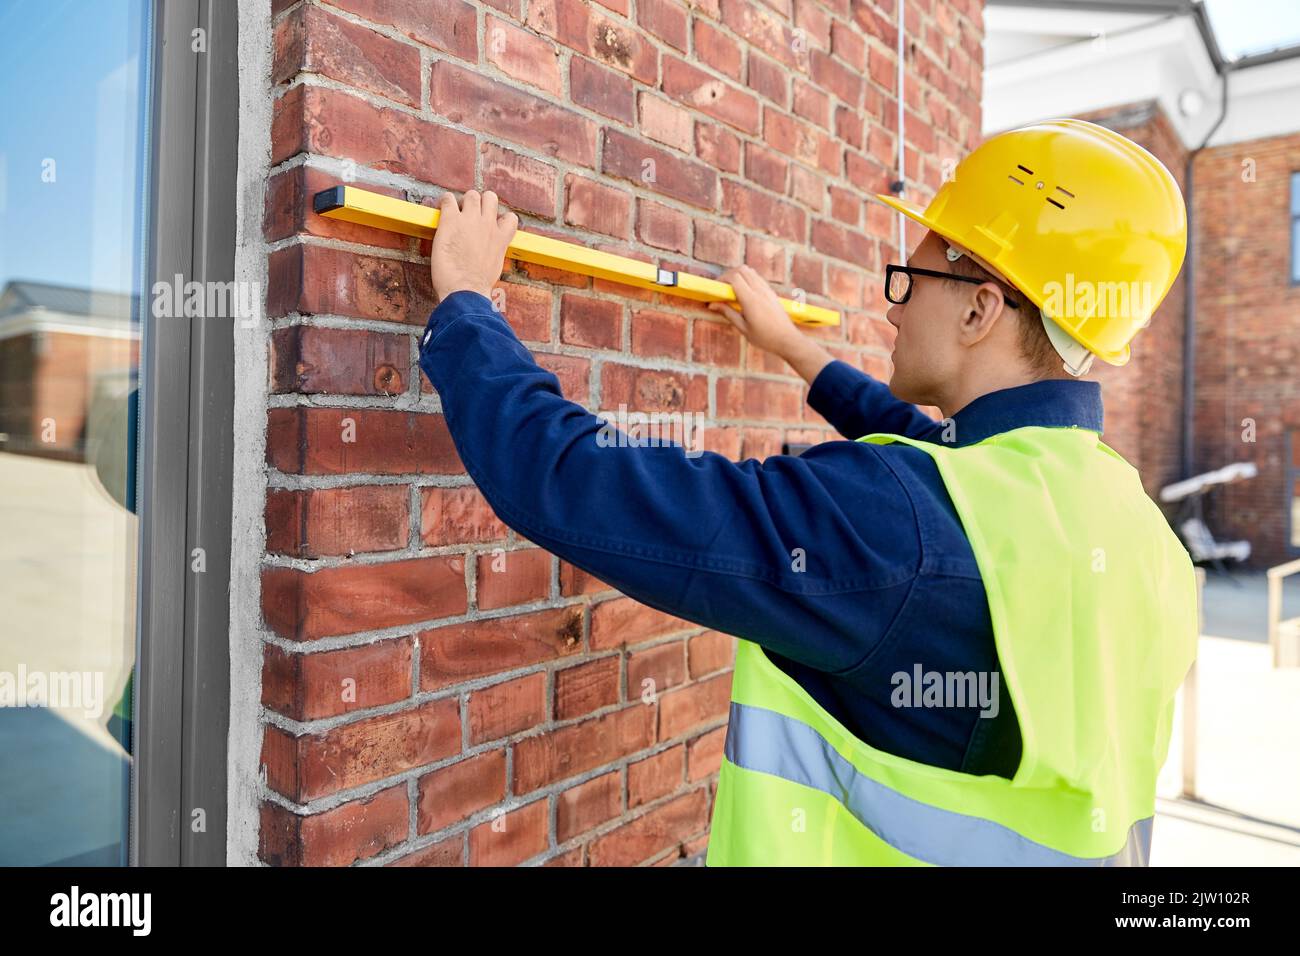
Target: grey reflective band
{"type": "Point", "coordinates": [768, 742]}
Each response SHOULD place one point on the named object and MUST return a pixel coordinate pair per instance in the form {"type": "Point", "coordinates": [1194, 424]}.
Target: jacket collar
{"type": "Point", "coordinates": [1053, 403]}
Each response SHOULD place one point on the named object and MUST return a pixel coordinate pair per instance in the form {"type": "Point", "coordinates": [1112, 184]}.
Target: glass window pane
{"type": "Point", "coordinates": [1295, 250]}
{"type": "Point", "coordinates": [74, 83]}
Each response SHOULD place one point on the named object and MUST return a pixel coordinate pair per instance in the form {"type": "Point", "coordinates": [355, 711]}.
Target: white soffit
{"type": "Point", "coordinates": [1046, 62]}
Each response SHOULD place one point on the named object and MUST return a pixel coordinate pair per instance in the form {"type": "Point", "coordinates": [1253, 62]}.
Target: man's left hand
{"type": "Point", "coordinates": [469, 245]}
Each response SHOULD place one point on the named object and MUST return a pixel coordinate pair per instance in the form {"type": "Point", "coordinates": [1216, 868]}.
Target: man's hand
{"type": "Point", "coordinates": [761, 319]}
{"type": "Point", "coordinates": [469, 245]}
{"type": "Point", "coordinates": [766, 324]}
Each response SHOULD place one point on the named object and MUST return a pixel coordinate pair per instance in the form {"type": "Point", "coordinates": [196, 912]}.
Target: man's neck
{"type": "Point", "coordinates": [965, 390]}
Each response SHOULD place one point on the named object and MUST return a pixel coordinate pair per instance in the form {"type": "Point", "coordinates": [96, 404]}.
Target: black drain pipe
{"type": "Point", "coordinates": [1189, 292]}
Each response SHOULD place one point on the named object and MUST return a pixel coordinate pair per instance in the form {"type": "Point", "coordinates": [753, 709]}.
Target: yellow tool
{"type": "Point", "coordinates": [411, 219]}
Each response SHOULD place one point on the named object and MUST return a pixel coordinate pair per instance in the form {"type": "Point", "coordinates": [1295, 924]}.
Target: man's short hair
{"type": "Point", "coordinates": [1035, 346]}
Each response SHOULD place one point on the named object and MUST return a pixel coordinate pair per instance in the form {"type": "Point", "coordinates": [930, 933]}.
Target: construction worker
{"type": "Point", "coordinates": [960, 640]}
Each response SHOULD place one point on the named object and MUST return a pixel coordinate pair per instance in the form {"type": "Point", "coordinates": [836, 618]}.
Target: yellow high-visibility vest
{"type": "Point", "coordinates": [1093, 604]}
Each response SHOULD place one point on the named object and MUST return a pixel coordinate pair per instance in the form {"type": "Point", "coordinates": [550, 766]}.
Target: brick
{"type": "Point", "coordinates": [708, 94]}
{"type": "Point", "coordinates": [652, 832]}
{"type": "Point", "coordinates": [802, 142]}
{"type": "Point", "coordinates": [718, 51]}
{"type": "Point", "coordinates": [522, 55]}
{"type": "Point", "coordinates": [458, 652]}
{"type": "Point", "coordinates": [666, 122]}
{"type": "Point", "coordinates": [448, 852]}
{"type": "Point", "coordinates": [574, 375]}
{"type": "Point", "coordinates": [709, 652]}
{"type": "Point", "coordinates": [715, 343]}
{"type": "Point", "coordinates": [316, 522]}
{"type": "Point", "coordinates": [513, 577]}
{"type": "Point", "coordinates": [759, 398]}
{"type": "Point", "coordinates": [520, 182]}
{"type": "Point", "coordinates": [605, 91]}
{"type": "Point", "coordinates": [596, 206]}
{"type": "Point", "coordinates": [318, 120]}
{"type": "Point", "coordinates": [575, 581]}
{"type": "Point", "coordinates": [459, 790]}
{"type": "Point", "coordinates": [339, 441]}
{"type": "Point", "coordinates": [459, 515]}
{"type": "Point", "coordinates": [662, 226]}
{"type": "Point", "coordinates": [830, 74]}
{"type": "Point", "coordinates": [511, 838]}
{"type": "Point", "coordinates": [655, 669]}
{"type": "Point", "coordinates": [846, 244]}
{"type": "Point", "coordinates": [311, 360]}
{"type": "Point", "coordinates": [659, 334]}
{"type": "Point", "coordinates": [338, 837]}
{"type": "Point", "coordinates": [809, 187]}
{"type": "Point", "coordinates": [767, 258]}
{"type": "Point", "coordinates": [654, 777]}
{"type": "Point", "coordinates": [491, 107]}
{"type": "Point", "coordinates": [686, 708]}
{"type": "Point", "coordinates": [759, 210]}
{"type": "Point", "coordinates": [304, 606]}
{"type": "Point", "coordinates": [807, 274]}
{"type": "Point", "coordinates": [288, 210]}
{"type": "Point", "coordinates": [527, 308]}
{"type": "Point", "coordinates": [318, 280]}
{"type": "Point", "coordinates": [716, 243]}
{"type": "Point", "coordinates": [448, 25]}
{"type": "Point", "coordinates": [329, 683]}
{"type": "Point", "coordinates": [717, 147]}
{"type": "Point", "coordinates": [704, 754]}
{"type": "Point", "coordinates": [507, 708]}
{"type": "Point", "coordinates": [665, 19]}
{"type": "Point", "coordinates": [768, 79]}
{"type": "Point", "coordinates": [618, 45]}
{"type": "Point", "coordinates": [352, 755]}
{"type": "Point", "coordinates": [588, 805]}
{"type": "Point", "coordinates": [761, 30]}
{"type": "Point", "coordinates": [652, 390]}
{"type": "Point", "coordinates": [310, 40]}
{"type": "Point", "coordinates": [586, 687]}
{"type": "Point", "coordinates": [569, 751]}
{"type": "Point", "coordinates": [595, 323]}
{"type": "Point", "coordinates": [625, 621]}
{"type": "Point", "coordinates": [766, 167]}
{"type": "Point", "coordinates": [659, 170]}
{"type": "Point", "coordinates": [812, 104]}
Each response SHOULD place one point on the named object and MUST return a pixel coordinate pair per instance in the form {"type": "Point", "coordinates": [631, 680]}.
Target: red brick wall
{"type": "Point", "coordinates": [1248, 335]}
{"type": "Point", "coordinates": [499, 716]}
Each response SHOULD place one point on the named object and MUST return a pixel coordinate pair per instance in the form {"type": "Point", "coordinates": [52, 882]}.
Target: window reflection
{"type": "Point", "coordinates": [74, 81]}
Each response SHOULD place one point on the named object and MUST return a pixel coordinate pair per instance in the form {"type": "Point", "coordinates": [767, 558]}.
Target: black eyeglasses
{"type": "Point", "coordinates": [898, 283]}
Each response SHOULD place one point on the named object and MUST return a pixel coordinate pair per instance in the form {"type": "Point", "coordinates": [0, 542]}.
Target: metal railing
{"type": "Point", "coordinates": [1283, 636]}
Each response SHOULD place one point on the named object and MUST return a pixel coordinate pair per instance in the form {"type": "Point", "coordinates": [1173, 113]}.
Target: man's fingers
{"type": "Point", "coordinates": [489, 206]}
{"type": "Point", "coordinates": [470, 201]}
{"type": "Point", "coordinates": [727, 310]}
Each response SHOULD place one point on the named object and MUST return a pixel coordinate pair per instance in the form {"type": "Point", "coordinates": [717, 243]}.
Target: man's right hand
{"type": "Point", "coordinates": [764, 322]}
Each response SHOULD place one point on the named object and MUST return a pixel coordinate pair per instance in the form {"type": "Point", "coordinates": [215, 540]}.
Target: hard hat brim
{"type": "Point", "coordinates": [914, 212]}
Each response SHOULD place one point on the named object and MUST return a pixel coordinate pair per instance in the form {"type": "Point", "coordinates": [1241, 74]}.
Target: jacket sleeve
{"type": "Point", "coordinates": [856, 404]}
{"type": "Point", "coordinates": [778, 551]}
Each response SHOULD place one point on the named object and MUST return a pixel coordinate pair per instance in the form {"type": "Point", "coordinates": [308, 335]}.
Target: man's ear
{"type": "Point", "coordinates": [981, 313]}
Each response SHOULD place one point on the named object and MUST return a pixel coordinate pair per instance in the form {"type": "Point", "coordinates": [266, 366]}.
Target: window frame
{"type": "Point", "coordinates": [1294, 209]}
{"type": "Point", "coordinates": [182, 700]}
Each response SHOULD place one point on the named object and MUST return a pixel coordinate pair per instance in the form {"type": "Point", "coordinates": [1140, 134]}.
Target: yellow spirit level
{"type": "Point", "coordinates": [411, 219]}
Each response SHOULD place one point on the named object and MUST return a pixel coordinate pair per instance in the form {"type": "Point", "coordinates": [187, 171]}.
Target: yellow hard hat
{"type": "Point", "coordinates": [1086, 223]}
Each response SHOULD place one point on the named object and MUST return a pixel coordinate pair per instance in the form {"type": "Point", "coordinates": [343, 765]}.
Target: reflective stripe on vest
{"type": "Point", "coordinates": [769, 742]}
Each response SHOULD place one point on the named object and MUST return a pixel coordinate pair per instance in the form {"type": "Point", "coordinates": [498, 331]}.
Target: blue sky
{"type": "Point", "coordinates": [70, 83]}
{"type": "Point", "coordinates": [1254, 26]}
